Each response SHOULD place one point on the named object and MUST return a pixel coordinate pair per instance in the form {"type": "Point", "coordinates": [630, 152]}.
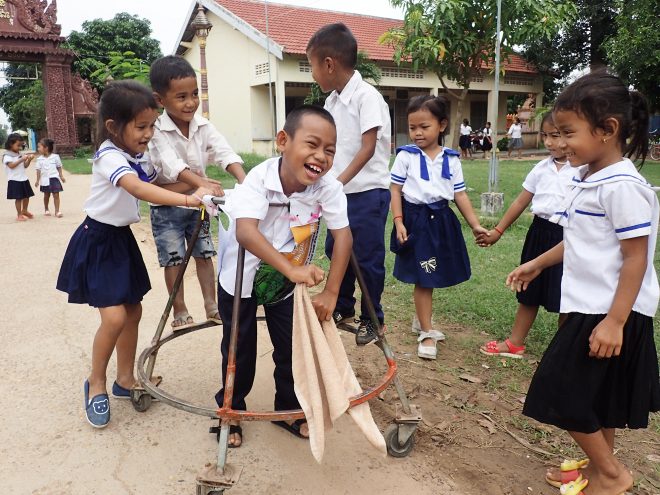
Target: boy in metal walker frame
{"type": "Point", "coordinates": [279, 244]}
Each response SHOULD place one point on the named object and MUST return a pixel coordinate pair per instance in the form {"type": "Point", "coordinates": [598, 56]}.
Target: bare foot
{"type": "Point", "coordinates": [428, 343]}
{"type": "Point", "coordinates": [235, 439]}
{"type": "Point", "coordinates": [304, 428]}
{"type": "Point", "coordinates": [604, 484]}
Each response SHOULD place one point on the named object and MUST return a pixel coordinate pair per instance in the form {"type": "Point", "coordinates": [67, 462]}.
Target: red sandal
{"type": "Point", "coordinates": [514, 351]}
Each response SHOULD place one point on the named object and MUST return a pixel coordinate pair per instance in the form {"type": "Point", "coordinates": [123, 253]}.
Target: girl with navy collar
{"type": "Point", "coordinates": [427, 237]}
{"type": "Point", "coordinates": [103, 266]}
{"type": "Point", "coordinates": [600, 371]}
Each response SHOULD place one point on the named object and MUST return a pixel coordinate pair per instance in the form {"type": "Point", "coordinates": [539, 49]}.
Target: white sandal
{"type": "Point", "coordinates": [416, 327]}
{"type": "Point", "coordinates": [429, 352]}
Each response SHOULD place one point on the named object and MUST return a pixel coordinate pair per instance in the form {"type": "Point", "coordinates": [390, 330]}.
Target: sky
{"type": "Point", "coordinates": [167, 16]}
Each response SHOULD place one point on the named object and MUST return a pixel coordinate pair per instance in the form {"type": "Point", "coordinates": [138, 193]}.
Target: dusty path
{"type": "Point", "coordinates": [48, 448]}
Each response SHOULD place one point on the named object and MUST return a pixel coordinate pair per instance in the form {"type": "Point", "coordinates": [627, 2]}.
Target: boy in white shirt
{"type": "Point", "coordinates": [182, 146]}
{"type": "Point", "coordinates": [361, 164]}
{"type": "Point", "coordinates": [280, 242]}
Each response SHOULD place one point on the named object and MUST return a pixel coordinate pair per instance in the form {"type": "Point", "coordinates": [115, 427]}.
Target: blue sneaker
{"type": "Point", "coordinates": [119, 392]}
{"type": "Point", "coordinates": [97, 410]}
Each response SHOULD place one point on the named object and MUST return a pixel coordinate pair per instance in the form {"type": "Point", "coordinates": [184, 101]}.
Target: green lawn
{"type": "Point", "coordinates": [483, 302]}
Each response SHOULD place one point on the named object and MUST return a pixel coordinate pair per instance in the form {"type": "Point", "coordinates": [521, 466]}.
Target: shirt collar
{"type": "Point", "coordinates": [623, 170]}
{"type": "Point", "coordinates": [273, 183]}
{"type": "Point", "coordinates": [348, 91]}
{"type": "Point", "coordinates": [166, 124]}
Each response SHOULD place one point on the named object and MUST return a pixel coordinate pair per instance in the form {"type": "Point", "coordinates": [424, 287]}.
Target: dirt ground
{"type": "Point", "coordinates": [473, 440]}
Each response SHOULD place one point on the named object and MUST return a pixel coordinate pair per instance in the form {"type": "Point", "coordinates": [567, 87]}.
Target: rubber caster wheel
{"type": "Point", "coordinates": [392, 440]}
{"type": "Point", "coordinates": [204, 490]}
{"type": "Point", "coordinates": [141, 403]}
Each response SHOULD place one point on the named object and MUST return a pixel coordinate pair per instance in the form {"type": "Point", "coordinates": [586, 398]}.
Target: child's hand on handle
{"type": "Point", "coordinates": [519, 279]}
{"type": "Point", "coordinates": [606, 339]}
{"type": "Point", "coordinates": [310, 275]}
{"type": "Point", "coordinates": [195, 199]}
{"type": "Point", "coordinates": [324, 304]}
{"type": "Point", "coordinates": [215, 186]}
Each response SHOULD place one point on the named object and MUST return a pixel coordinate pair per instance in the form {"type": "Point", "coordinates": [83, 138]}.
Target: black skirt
{"type": "Point", "coordinates": [544, 290]}
{"type": "Point", "coordinates": [19, 189]}
{"type": "Point", "coordinates": [54, 186]}
{"type": "Point", "coordinates": [435, 254]}
{"type": "Point", "coordinates": [103, 266]}
{"type": "Point", "coordinates": [579, 393]}
{"type": "Point", "coordinates": [465, 142]}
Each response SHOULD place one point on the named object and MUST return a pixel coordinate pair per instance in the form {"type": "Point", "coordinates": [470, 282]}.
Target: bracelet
{"type": "Point", "coordinates": [201, 202]}
{"type": "Point", "coordinates": [186, 196]}
{"type": "Point", "coordinates": [397, 216]}
{"type": "Point", "coordinates": [498, 230]}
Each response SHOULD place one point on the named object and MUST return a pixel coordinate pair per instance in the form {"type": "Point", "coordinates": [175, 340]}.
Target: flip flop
{"type": "Point", "coordinates": [184, 320]}
{"type": "Point", "coordinates": [515, 351]}
{"type": "Point", "coordinates": [293, 428]}
{"type": "Point", "coordinates": [569, 471]}
{"type": "Point", "coordinates": [47, 213]}
{"type": "Point", "coordinates": [574, 487]}
{"type": "Point", "coordinates": [27, 214]}
{"type": "Point", "coordinates": [233, 430]}
{"type": "Point", "coordinates": [215, 317]}
{"type": "Point", "coordinates": [59, 214]}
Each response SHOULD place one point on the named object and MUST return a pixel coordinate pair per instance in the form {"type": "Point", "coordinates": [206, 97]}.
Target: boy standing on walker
{"type": "Point", "coordinates": [275, 217]}
{"type": "Point", "coordinates": [361, 164]}
{"type": "Point", "coordinates": [183, 145]}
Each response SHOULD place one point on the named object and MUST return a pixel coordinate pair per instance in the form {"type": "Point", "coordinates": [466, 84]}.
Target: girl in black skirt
{"type": "Point", "coordinates": [600, 372]}
{"type": "Point", "coordinates": [103, 266]}
{"type": "Point", "coordinates": [18, 185]}
{"type": "Point", "coordinates": [427, 237]}
{"type": "Point", "coordinates": [544, 188]}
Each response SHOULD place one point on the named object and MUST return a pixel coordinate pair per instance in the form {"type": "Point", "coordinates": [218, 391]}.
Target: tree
{"type": "Point", "coordinates": [98, 38]}
{"type": "Point", "coordinates": [455, 39]}
{"type": "Point", "coordinates": [578, 45]}
{"type": "Point", "coordinates": [367, 69]}
{"type": "Point", "coordinates": [121, 66]}
{"type": "Point", "coordinates": [634, 49]}
{"type": "Point", "coordinates": [22, 98]}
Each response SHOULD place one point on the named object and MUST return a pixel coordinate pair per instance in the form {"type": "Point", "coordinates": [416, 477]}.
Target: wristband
{"type": "Point", "coordinates": [186, 196]}
{"type": "Point", "coordinates": [397, 216]}
{"type": "Point", "coordinates": [498, 231]}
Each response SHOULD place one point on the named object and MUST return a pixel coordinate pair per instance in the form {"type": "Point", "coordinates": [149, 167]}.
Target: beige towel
{"type": "Point", "coordinates": [323, 378]}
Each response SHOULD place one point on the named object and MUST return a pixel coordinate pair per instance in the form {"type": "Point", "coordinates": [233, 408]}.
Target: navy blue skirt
{"type": "Point", "coordinates": [544, 290]}
{"type": "Point", "coordinates": [435, 254]}
{"type": "Point", "coordinates": [576, 392]}
{"type": "Point", "coordinates": [103, 266]}
{"type": "Point", "coordinates": [54, 186]}
{"type": "Point", "coordinates": [19, 189]}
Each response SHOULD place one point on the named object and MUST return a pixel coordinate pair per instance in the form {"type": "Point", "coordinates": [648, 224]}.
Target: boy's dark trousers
{"type": "Point", "coordinates": [367, 216]}
{"type": "Point", "coordinates": [279, 318]}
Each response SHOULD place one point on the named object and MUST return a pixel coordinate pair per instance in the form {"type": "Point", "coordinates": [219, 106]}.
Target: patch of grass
{"type": "Point", "coordinates": [77, 166]}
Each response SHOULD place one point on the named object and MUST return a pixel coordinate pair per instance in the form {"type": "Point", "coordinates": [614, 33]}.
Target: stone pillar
{"type": "Point", "coordinates": [60, 121]}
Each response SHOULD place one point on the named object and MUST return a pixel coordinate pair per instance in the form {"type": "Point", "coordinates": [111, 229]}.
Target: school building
{"type": "Point", "coordinates": [254, 66]}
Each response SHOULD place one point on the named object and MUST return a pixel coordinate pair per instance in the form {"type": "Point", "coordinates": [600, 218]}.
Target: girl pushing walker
{"type": "Point", "coordinates": [600, 371]}
{"type": "Point", "coordinates": [427, 237]}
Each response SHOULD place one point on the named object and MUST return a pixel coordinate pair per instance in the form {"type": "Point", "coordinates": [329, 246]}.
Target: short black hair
{"type": "Point", "coordinates": [293, 120]}
{"type": "Point", "coordinates": [121, 102]}
{"type": "Point", "coordinates": [167, 68]}
{"type": "Point", "coordinates": [437, 105]}
{"type": "Point", "coordinates": [335, 41]}
{"type": "Point", "coordinates": [49, 144]}
{"type": "Point", "coordinates": [12, 138]}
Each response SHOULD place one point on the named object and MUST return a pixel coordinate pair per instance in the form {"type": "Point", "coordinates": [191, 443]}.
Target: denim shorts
{"type": "Point", "coordinates": [172, 228]}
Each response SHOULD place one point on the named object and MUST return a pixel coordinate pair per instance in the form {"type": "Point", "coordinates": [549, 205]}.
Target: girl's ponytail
{"type": "Point", "coordinates": [638, 143]}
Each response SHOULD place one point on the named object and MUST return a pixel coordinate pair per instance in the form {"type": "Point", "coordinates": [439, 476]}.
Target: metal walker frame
{"type": "Point", "coordinates": [214, 479]}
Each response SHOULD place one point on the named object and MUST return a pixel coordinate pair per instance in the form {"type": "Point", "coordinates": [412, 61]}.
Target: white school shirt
{"type": "Point", "coordinates": [466, 130]}
{"type": "Point", "coordinates": [515, 131]}
{"type": "Point", "coordinates": [549, 186]}
{"type": "Point", "coordinates": [358, 108]}
{"type": "Point", "coordinates": [614, 204]}
{"type": "Point", "coordinates": [17, 173]}
{"type": "Point", "coordinates": [487, 131]}
{"type": "Point", "coordinates": [48, 166]}
{"type": "Point", "coordinates": [251, 200]}
{"type": "Point", "coordinates": [171, 152]}
{"type": "Point", "coordinates": [406, 172]}
{"type": "Point", "coordinates": [108, 202]}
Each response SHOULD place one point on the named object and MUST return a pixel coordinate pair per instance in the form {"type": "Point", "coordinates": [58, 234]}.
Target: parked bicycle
{"type": "Point", "coordinates": [654, 145]}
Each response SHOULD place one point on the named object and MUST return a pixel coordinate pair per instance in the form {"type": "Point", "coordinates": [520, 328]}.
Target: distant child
{"type": "Point", "coordinates": [544, 188]}
{"type": "Point", "coordinates": [280, 242]}
{"type": "Point", "coordinates": [465, 141]}
{"type": "Point", "coordinates": [600, 371]}
{"type": "Point", "coordinates": [103, 266]}
{"type": "Point", "coordinates": [515, 134]}
{"type": "Point", "coordinates": [361, 164]}
{"type": "Point", "coordinates": [487, 142]}
{"type": "Point", "coordinates": [184, 143]}
{"type": "Point", "coordinates": [18, 185]}
{"type": "Point", "coordinates": [49, 175]}
{"type": "Point", "coordinates": [427, 238]}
